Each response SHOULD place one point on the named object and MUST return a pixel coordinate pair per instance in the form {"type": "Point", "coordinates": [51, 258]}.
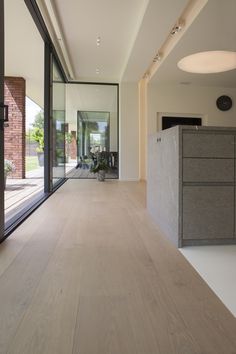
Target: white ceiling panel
{"type": "Point", "coordinates": [115, 21]}
{"type": "Point", "coordinates": [213, 29]}
{"type": "Point", "coordinates": [159, 18]}
{"type": "Point", "coordinates": [131, 32]}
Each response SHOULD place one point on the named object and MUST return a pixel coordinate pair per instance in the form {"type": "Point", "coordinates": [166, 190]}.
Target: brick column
{"type": "Point", "coordinates": [14, 133]}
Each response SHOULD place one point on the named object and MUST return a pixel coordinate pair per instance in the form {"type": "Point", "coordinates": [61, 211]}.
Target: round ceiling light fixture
{"type": "Point", "coordinates": [208, 62]}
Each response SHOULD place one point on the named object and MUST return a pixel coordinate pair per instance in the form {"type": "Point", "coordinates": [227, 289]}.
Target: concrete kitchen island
{"type": "Point", "coordinates": [191, 184]}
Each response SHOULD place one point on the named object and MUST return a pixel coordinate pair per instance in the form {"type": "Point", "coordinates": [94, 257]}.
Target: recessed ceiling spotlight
{"type": "Point", "coordinates": [146, 75]}
{"type": "Point", "coordinates": [177, 28]}
{"type": "Point", "coordinates": [208, 62]}
{"type": "Point", "coordinates": [157, 58]}
{"type": "Point", "coordinates": [98, 41]}
{"type": "Point", "coordinates": [97, 71]}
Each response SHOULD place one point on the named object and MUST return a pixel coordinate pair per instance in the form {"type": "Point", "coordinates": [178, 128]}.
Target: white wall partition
{"type": "Point", "coordinates": [129, 131]}
{"type": "Point", "coordinates": [189, 100]}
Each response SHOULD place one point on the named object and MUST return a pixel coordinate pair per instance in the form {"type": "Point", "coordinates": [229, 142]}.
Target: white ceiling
{"type": "Point", "coordinates": [159, 18]}
{"type": "Point", "coordinates": [115, 21]}
{"type": "Point", "coordinates": [131, 32]}
{"type": "Point", "coordinates": [213, 29]}
{"type": "Point", "coordinates": [24, 49]}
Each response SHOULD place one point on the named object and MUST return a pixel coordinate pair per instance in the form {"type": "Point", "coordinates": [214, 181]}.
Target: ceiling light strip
{"type": "Point", "coordinates": [177, 28]}
{"type": "Point", "coordinates": [187, 17]}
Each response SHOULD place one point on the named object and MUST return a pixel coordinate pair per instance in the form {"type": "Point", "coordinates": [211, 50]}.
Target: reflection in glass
{"type": "Point", "coordinates": [34, 130]}
{"type": "Point", "coordinates": [91, 112]}
{"type": "Point", "coordinates": [58, 135]}
{"type": "Point", "coordinates": [95, 127]}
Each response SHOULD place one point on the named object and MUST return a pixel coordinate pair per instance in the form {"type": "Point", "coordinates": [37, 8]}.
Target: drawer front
{"type": "Point", "coordinates": [208, 145]}
{"type": "Point", "coordinates": [208, 212]}
{"type": "Point", "coordinates": [208, 170]}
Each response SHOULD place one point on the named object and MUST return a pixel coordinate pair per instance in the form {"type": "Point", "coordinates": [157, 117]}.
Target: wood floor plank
{"type": "Point", "coordinates": [50, 319]}
{"type": "Point", "coordinates": [21, 278]}
{"type": "Point", "coordinates": [97, 277]}
{"type": "Point", "coordinates": [13, 245]}
{"type": "Point", "coordinates": [49, 322]}
{"type": "Point", "coordinates": [195, 301]}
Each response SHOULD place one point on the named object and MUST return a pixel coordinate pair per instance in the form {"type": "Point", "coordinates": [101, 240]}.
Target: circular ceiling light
{"type": "Point", "coordinates": [208, 62]}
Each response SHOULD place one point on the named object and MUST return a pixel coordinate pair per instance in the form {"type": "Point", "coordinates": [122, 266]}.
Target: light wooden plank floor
{"type": "Point", "coordinates": [88, 273]}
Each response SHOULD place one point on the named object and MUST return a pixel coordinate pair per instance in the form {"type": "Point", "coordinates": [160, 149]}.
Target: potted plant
{"type": "Point", "coordinates": [100, 168]}
{"type": "Point", "coordinates": [9, 167]}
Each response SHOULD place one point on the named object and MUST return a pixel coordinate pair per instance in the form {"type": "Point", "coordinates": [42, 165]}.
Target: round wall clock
{"type": "Point", "coordinates": [224, 103]}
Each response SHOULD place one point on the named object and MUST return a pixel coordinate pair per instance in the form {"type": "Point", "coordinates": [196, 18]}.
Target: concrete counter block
{"type": "Point", "coordinates": [191, 184]}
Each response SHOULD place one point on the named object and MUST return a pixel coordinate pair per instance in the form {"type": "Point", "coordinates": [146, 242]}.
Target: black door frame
{"type": "Point", "coordinates": [54, 62]}
{"type": "Point", "coordinates": [2, 119]}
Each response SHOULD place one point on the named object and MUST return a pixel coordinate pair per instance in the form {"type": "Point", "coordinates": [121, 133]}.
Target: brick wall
{"type": "Point", "coordinates": [14, 134]}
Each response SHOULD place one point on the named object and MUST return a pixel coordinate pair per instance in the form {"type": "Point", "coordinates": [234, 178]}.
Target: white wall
{"type": "Point", "coordinates": [24, 49]}
{"type": "Point", "coordinates": [75, 101]}
{"type": "Point", "coordinates": [58, 98]}
{"type": "Point", "coordinates": [198, 101]}
{"type": "Point", "coordinates": [142, 128]}
{"type": "Point", "coordinates": [71, 111]}
{"type": "Point", "coordinates": [129, 131]}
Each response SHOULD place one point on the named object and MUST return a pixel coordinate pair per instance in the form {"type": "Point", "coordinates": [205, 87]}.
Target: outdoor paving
{"type": "Point", "coordinates": [20, 192]}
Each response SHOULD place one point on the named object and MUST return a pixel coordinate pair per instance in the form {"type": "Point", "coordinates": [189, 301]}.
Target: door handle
{"type": "Point", "coordinates": [5, 114]}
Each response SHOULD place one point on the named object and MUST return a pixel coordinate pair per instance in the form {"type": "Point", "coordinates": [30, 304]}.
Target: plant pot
{"type": "Point", "coordinates": [101, 175]}
{"type": "Point", "coordinates": [41, 158]}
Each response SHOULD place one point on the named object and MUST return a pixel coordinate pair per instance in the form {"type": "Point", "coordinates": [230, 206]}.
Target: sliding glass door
{"type": "Point", "coordinates": [32, 113]}
{"type": "Point", "coordinates": [58, 131]}
{"type": "Point", "coordinates": [24, 97]}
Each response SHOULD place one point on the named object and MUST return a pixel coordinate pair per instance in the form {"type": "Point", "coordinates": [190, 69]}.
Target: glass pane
{"type": "Point", "coordinates": [24, 95]}
{"type": "Point", "coordinates": [58, 135]}
{"type": "Point", "coordinates": [91, 114]}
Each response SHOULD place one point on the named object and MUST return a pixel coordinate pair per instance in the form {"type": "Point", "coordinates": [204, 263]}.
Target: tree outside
{"type": "Point", "coordinates": [35, 143]}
